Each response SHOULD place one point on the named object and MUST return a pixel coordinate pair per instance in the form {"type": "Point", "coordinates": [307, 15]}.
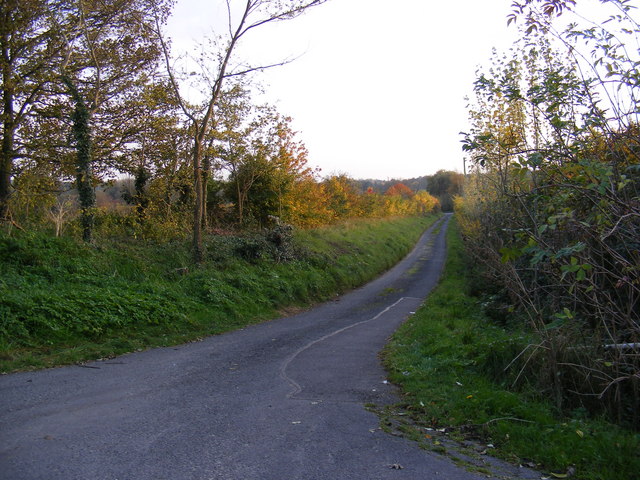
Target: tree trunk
{"type": "Point", "coordinates": [206, 173]}
{"type": "Point", "coordinates": [84, 174]}
{"type": "Point", "coordinates": [6, 158]}
{"type": "Point", "coordinates": [141, 198]}
{"type": "Point", "coordinates": [198, 207]}
{"type": "Point", "coordinates": [240, 202]}
{"type": "Point", "coordinates": [6, 165]}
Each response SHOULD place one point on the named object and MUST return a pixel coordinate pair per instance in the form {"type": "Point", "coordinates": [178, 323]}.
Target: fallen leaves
{"type": "Point", "coordinates": [571, 471]}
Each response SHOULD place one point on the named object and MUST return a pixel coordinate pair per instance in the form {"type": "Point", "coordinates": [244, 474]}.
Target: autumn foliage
{"type": "Point", "coordinates": [551, 209]}
{"type": "Point", "coordinates": [98, 140]}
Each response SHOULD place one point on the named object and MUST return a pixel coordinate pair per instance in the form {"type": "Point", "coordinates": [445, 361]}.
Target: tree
{"type": "Point", "coordinates": [252, 189]}
{"type": "Point", "coordinates": [307, 203]}
{"type": "Point", "coordinates": [291, 165]}
{"type": "Point", "coordinates": [160, 147]}
{"type": "Point", "coordinates": [154, 153]}
{"type": "Point", "coordinates": [255, 14]}
{"type": "Point", "coordinates": [257, 147]}
{"type": "Point", "coordinates": [108, 54]}
{"type": "Point", "coordinates": [341, 197]}
{"type": "Point", "coordinates": [445, 185]}
{"type": "Point", "coordinates": [400, 189]}
{"type": "Point", "coordinates": [60, 213]}
{"type": "Point", "coordinates": [243, 143]}
{"type": "Point", "coordinates": [425, 202]}
{"type": "Point", "coordinates": [27, 57]}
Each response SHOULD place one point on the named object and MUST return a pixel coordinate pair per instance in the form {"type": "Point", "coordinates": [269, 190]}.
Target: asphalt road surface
{"type": "Point", "coordinates": [282, 400]}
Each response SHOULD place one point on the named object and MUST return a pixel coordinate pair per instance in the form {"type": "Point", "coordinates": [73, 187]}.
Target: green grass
{"type": "Point", "coordinates": [64, 302]}
{"type": "Point", "coordinates": [450, 360]}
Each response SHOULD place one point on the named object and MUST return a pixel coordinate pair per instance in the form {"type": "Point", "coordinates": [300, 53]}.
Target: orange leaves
{"type": "Point", "coordinates": [400, 189]}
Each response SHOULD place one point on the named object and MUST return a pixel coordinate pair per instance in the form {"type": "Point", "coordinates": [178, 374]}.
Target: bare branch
{"type": "Point", "coordinates": [170, 73]}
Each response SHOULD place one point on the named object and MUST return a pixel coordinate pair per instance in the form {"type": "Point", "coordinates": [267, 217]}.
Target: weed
{"type": "Point", "coordinates": [457, 368]}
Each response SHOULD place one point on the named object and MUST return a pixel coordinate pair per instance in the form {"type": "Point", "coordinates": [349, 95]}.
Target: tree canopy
{"type": "Point", "coordinates": [99, 137]}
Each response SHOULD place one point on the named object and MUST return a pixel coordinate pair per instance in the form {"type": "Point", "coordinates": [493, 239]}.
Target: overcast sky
{"type": "Point", "coordinates": [378, 90]}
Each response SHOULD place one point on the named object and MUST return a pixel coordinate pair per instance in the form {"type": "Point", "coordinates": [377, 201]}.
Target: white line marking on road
{"type": "Point", "coordinates": [297, 388]}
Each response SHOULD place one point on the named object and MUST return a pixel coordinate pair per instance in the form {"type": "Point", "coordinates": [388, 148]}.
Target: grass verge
{"type": "Point", "coordinates": [63, 302]}
{"type": "Point", "coordinates": [445, 359]}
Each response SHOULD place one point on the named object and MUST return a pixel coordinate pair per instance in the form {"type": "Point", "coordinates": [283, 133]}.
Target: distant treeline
{"type": "Point", "coordinates": [444, 185]}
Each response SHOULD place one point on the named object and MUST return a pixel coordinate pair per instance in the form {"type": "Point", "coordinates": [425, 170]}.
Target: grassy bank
{"type": "Point", "coordinates": [451, 360]}
{"type": "Point", "coordinates": [64, 302]}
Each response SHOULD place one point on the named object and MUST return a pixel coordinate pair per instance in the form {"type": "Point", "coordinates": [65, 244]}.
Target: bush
{"type": "Point", "coordinates": [551, 210]}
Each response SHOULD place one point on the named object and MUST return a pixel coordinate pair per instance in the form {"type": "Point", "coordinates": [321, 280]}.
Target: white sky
{"type": "Point", "coordinates": [379, 89]}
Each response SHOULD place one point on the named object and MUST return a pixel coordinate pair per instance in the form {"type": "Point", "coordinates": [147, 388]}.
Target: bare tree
{"type": "Point", "coordinates": [61, 212]}
{"type": "Point", "coordinates": [255, 14]}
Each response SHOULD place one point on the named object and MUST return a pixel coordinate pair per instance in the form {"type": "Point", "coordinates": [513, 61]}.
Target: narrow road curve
{"type": "Point", "coordinates": [281, 400]}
